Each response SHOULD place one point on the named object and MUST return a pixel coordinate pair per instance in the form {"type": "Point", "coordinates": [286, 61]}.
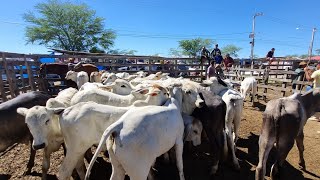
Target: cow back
{"type": "Point", "coordinates": [89, 68]}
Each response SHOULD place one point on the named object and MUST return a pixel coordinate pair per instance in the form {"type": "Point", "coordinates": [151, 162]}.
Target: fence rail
{"type": "Point", "coordinates": [20, 72]}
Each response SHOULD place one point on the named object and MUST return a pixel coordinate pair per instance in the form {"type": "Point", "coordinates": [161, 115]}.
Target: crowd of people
{"type": "Point", "coordinates": [216, 62]}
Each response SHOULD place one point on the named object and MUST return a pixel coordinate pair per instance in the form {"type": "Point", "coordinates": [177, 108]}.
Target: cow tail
{"type": "Point", "coordinates": [111, 130]}
{"type": "Point", "coordinates": [277, 119]}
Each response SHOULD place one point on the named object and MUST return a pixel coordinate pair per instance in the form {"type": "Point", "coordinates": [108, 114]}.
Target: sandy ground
{"type": "Point", "coordinates": [197, 162]}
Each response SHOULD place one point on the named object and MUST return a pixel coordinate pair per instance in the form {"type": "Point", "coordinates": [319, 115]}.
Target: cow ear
{"type": "Point", "coordinates": [141, 91]}
{"type": "Point", "coordinates": [222, 82]}
{"type": "Point", "coordinates": [56, 110]}
{"type": "Point", "coordinates": [22, 111]}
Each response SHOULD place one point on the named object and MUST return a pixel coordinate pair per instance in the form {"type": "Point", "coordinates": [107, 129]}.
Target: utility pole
{"type": "Point", "coordinates": [252, 36]}
{"type": "Point", "coordinates": [311, 44]}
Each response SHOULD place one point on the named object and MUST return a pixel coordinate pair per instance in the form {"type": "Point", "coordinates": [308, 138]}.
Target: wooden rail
{"type": "Point", "coordinates": [278, 77]}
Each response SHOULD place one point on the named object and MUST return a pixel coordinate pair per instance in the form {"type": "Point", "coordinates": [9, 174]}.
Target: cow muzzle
{"type": "Point", "coordinates": [40, 146]}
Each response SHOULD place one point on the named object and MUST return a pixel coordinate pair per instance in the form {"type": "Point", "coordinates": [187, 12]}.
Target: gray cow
{"type": "Point", "coordinates": [13, 128]}
{"type": "Point", "coordinates": [283, 122]}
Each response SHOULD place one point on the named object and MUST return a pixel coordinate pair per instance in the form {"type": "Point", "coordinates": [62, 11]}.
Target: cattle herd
{"type": "Point", "coordinates": [137, 118]}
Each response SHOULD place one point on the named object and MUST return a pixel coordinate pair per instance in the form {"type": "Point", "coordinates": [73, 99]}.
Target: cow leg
{"type": "Point", "coordinates": [265, 145]}
{"type": "Point", "coordinates": [299, 141]}
{"type": "Point", "coordinates": [179, 160]}
{"type": "Point", "coordinates": [118, 173]}
{"type": "Point", "coordinates": [81, 168]}
{"type": "Point", "coordinates": [46, 162]}
{"type": "Point", "coordinates": [230, 139]}
{"type": "Point", "coordinates": [68, 164]}
{"type": "Point", "coordinates": [31, 159]}
{"type": "Point", "coordinates": [283, 147]}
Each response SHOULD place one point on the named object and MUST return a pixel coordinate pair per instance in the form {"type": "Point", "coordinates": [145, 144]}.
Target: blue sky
{"type": "Point", "coordinates": [154, 26]}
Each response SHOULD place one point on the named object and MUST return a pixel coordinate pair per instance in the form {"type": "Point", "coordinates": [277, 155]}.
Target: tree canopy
{"type": "Point", "coordinates": [231, 49]}
{"type": "Point", "coordinates": [192, 47]}
{"type": "Point", "coordinates": [67, 26]}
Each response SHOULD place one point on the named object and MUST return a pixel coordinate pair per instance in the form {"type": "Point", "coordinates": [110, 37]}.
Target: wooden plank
{"type": "Point", "coordinates": [9, 76]}
{"type": "Point", "coordinates": [3, 94]}
{"type": "Point", "coordinates": [30, 75]}
{"type": "Point", "coordinates": [274, 88]}
{"type": "Point", "coordinates": [14, 81]}
{"type": "Point", "coordinates": [22, 78]}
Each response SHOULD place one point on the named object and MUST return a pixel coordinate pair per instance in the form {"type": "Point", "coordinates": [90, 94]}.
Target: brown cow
{"type": "Point", "coordinates": [283, 122]}
{"type": "Point", "coordinates": [62, 69]}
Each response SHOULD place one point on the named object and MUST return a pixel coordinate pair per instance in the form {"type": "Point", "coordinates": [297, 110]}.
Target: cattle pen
{"type": "Point", "coordinates": [21, 72]}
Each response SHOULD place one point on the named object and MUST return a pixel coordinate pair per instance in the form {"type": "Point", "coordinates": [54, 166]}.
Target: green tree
{"type": "Point", "coordinates": [122, 52]}
{"type": "Point", "coordinates": [231, 49]}
{"type": "Point", "coordinates": [303, 56]}
{"type": "Point", "coordinates": [192, 47]}
{"type": "Point", "coordinates": [67, 26]}
{"type": "Point", "coordinates": [175, 52]}
{"type": "Point", "coordinates": [318, 51]}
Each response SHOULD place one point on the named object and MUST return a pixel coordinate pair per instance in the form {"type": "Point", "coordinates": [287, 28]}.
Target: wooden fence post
{"type": "Point", "coordinates": [30, 74]}
{"type": "Point", "coordinates": [284, 84]}
{"type": "Point", "coordinates": [22, 79]}
{"type": "Point", "coordinates": [3, 93]}
{"type": "Point", "coordinates": [9, 76]}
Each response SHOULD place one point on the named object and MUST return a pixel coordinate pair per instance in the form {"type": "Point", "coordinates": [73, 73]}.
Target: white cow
{"type": "Point", "coordinates": [234, 102]}
{"type": "Point", "coordinates": [80, 126]}
{"type": "Point", "coordinates": [110, 78]}
{"type": "Point", "coordinates": [121, 87]}
{"type": "Point", "coordinates": [108, 98]}
{"type": "Point", "coordinates": [140, 136]}
{"type": "Point", "coordinates": [249, 83]}
{"type": "Point", "coordinates": [79, 77]}
{"type": "Point", "coordinates": [63, 98]}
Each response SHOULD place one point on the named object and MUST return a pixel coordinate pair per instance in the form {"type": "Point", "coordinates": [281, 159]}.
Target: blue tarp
{"type": "Point", "coordinates": [47, 60]}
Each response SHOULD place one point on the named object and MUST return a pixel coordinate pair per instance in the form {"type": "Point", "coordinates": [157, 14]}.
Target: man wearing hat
{"type": "Point", "coordinates": [299, 74]}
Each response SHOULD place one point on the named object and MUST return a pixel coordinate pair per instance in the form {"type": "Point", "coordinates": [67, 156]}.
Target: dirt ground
{"type": "Point", "coordinates": [196, 162]}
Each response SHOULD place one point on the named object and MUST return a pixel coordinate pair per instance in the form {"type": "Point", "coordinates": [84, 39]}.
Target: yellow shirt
{"type": "Point", "coordinates": [316, 79]}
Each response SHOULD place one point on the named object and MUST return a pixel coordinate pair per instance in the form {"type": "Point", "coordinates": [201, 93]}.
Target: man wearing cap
{"type": "Point", "coordinates": [299, 74]}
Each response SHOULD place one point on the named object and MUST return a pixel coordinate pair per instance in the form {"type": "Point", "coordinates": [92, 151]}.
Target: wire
{"type": "Point", "coordinates": [283, 21]}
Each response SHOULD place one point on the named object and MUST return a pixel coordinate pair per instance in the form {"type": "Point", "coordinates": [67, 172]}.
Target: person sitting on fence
{"type": "Point", "coordinates": [313, 76]}
{"type": "Point", "coordinates": [211, 70]}
{"type": "Point", "coordinates": [270, 56]}
{"type": "Point", "coordinates": [205, 55]}
{"type": "Point", "coordinates": [299, 74]}
{"type": "Point", "coordinates": [216, 55]}
{"type": "Point", "coordinates": [228, 62]}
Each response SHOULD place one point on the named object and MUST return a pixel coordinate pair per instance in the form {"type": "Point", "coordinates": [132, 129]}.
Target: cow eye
{"type": "Point", "coordinates": [196, 132]}
{"type": "Point", "coordinates": [123, 86]}
{"type": "Point", "coordinates": [47, 121]}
